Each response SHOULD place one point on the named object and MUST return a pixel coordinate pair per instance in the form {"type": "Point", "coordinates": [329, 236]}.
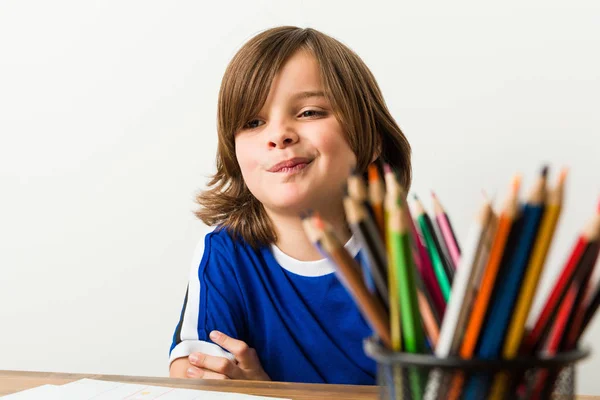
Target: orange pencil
{"type": "Point", "coordinates": [376, 197]}
{"type": "Point", "coordinates": [505, 224]}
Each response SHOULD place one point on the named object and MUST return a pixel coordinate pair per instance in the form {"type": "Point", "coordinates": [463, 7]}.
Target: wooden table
{"type": "Point", "coordinates": [14, 381]}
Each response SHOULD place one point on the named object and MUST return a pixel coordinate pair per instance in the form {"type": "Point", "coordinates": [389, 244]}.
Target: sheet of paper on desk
{"type": "Point", "coordinates": [49, 392]}
{"type": "Point", "coordinates": [86, 389]}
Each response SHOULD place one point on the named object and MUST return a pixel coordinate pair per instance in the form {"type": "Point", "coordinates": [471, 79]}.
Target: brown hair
{"type": "Point", "coordinates": [354, 96]}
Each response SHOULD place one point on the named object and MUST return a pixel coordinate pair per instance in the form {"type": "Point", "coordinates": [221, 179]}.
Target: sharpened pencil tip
{"type": "Point", "coordinates": [563, 175]}
{"type": "Point", "coordinates": [545, 171]}
{"type": "Point", "coordinates": [387, 169]}
{"type": "Point", "coordinates": [516, 183]}
{"type": "Point", "coordinates": [433, 195]}
{"type": "Point", "coordinates": [373, 173]}
{"type": "Point", "coordinates": [318, 221]}
{"type": "Point", "coordinates": [415, 197]}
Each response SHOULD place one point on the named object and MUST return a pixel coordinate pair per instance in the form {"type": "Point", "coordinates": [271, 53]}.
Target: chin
{"type": "Point", "coordinates": [289, 202]}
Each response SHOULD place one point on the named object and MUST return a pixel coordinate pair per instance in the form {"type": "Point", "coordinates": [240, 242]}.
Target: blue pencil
{"type": "Point", "coordinates": [500, 311]}
{"type": "Point", "coordinates": [507, 289]}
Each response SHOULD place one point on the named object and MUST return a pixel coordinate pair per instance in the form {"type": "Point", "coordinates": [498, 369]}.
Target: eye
{"type": "Point", "coordinates": [312, 113]}
{"type": "Point", "coordinates": [255, 123]}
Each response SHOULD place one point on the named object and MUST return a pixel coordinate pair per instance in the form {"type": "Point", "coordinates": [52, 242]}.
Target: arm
{"type": "Point", "coordinates": [212, 301]}
{"type": "Point", "coordinates": [246, 365]}
{"type": "Point", "coordinates": [179, 368]}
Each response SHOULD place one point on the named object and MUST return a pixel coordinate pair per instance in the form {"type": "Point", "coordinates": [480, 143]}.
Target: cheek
{"type": "Point", "coordinates": [335, 148]}
{"type": "Point", "coordinates": [246, 156]}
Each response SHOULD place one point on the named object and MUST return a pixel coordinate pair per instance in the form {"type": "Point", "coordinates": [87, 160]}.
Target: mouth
{"type": "Point", "coordinates": [292, 165]}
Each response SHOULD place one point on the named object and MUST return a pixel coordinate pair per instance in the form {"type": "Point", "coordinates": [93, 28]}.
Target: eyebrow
{"type": "Point", "coordinates": [308, 94]}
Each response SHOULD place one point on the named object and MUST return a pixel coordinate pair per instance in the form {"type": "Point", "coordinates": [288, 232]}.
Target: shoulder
{"type": "Point", "coordinates": [218, 249]}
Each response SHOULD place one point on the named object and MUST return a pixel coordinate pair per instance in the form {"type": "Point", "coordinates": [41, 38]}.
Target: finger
{"type": "Point", "coordinates": [199, 373]}
{"type": "Point", "coordinates": [245, 356]}
{"type": "Point", "coordinates": [216, 364]}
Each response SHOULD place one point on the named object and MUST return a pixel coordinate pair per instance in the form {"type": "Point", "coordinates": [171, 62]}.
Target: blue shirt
{"type": "Point", "coordinates": [298, 317]}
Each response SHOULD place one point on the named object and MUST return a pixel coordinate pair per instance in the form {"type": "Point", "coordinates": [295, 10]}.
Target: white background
{"type": "Point", "coordinates": [107, 121]}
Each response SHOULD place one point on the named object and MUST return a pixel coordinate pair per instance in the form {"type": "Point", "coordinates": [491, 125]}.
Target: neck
{"type": "Point", "coordinates": [292, 240]}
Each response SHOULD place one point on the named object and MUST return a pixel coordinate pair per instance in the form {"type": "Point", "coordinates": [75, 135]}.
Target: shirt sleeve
{"type": "Point", "coordinates": [212, 302]}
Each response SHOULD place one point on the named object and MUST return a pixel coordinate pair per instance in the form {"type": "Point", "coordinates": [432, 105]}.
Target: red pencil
{"type": "Point", "coordinates": [535, 339]}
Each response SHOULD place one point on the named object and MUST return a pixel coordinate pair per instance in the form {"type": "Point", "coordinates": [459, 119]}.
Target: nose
{"type": "Point", "coordinates": [282, 136]}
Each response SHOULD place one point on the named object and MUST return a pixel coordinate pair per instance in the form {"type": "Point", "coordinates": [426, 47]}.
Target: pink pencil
{"type": "Point", "coordinates": [446, 230]}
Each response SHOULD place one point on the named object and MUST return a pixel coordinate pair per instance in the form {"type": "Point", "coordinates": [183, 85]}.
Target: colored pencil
{"type": "Point", "coordinates": [433, 249]}
{"type": "Point", "coordinates": [537, 335]}
{"type": "Point", "coordinates": [391, 199]}
{"type": "Point", "coordinates": [566, 312]}
{"type": "Point", "coordinates": [500, 309]}
{"type": "Point", "coordinates": [577, 321]}
{"type": "Point", "coordinates": [527, 291]}
{"type": "Point", "coordinates": [376, 197]}
{"type": "Point", "coordinates": [432, 289]}
{"type": "Point", "coordinates": [357, 189]}
{"type": "Point", "coordinates": [427, 305]}
{"type": "Point", "coordinates": [460, 303]}
{"type": "Point", "coordinates": [534, 270]}
{"type": "Point", "coordinates": [505, 224]}
{"type": "Point", "coordinates": [362, 226]}
{"type": "Point", "coordinates": [558, 340]}
{"type": "Point", "coordinates": [412, 333]}
{"type": "Point", "coordinates": [591, 307]}
{"type": "Point", "coordinates": [446, 231]}
{"type": "Point", "coordinates": [462, 296]}
{"type": "Point", "coordinates": [348, 272]}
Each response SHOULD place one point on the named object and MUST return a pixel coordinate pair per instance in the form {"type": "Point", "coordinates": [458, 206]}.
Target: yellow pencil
{"type": "Point", "coordinates": [527, 292]}
{"type": "Point", "coordinates": [534, 270]}
{"type": "Point", "coordinates": [390, 202]}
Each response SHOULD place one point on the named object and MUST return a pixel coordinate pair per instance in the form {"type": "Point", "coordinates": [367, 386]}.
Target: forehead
{"type": "Point", "coordinates": [299, 73]}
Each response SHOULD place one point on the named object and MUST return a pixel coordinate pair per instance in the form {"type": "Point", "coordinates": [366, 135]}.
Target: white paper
{"type": "Point", "coordinates": [88, 389]}
{"type": "Point", "coordinates": [49, 392]}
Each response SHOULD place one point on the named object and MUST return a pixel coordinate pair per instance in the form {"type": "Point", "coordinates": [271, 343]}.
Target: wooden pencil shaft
{"type": "Point", "coordinates": [462, 294]}
{"type": "Point", "coordinates": [489, 277]}
{"type": "Point", "coordinates": [347, 267]}
{"type": "Point", "coordinates": [357, 214]}
{"type": "Point", "coordinates": [357, 188]}
{"type": "Point", "coordinates": [435, 257]}
{"type": "Point", "coordinates": [507, 287]}
{"type": "Point", "coordinates": [590, 311]}
{"type": "Point", "coordinates": [438, 249]}
{"type": "Point", "coordinates": [378, 266]}
{"type": "Point", "coordinates": [536, 337]}
{"type": "Point", "coordinates": [411, 323]}
{"type": "Point", "coordinates": [425, 268]}
{"type": "Point", "coordinates": [581, 280]}
{"type": "Point", "coordinates": [530, 281]}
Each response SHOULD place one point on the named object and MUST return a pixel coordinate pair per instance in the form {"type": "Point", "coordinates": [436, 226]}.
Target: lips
{"type": "Point", "coordinates": [287, 165]}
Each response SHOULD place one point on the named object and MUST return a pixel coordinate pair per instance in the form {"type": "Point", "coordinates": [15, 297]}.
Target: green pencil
{"type": "Point", "coordinates": [432, 249]}
{"type": "Point", "coordinates": [400, 246]}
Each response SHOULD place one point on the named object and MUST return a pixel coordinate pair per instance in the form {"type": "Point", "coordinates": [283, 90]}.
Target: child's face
{"type": "Point", "coordinates": [293, 155]}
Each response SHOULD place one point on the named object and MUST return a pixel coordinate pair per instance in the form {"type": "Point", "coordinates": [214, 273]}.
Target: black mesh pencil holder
{"type": "Point", "coordinates": [423, 376]}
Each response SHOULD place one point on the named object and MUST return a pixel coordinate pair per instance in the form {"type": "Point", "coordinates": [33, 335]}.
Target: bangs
{"type": "Point", "coordinates": [249, 76]}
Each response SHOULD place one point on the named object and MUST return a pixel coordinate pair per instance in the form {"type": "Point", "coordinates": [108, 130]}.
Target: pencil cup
{"type": "Point", "coordinates": [424, 376]}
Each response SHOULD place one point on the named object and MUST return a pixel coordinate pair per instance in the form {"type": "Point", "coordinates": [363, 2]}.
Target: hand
{"type": "Point", "coordinates": [211, 367]}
